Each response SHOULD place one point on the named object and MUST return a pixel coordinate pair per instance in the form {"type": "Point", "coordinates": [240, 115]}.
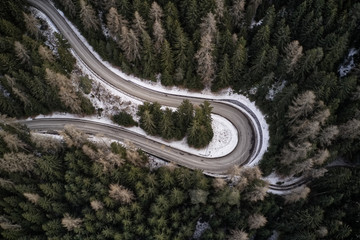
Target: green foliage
{"type": "Point", "coordinates": [71, 199]}
{"type": "Point", "coordinates": [85, 84]}
{"type": "Point", "coordinates": [124, 119]}
{"type": "Point", "coordinates": [170, 125]}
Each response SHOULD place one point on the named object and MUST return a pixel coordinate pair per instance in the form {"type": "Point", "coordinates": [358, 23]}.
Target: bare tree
{"type": "Point", "coordinates": [17, 162]}
{"type": "Point", "coordinates": [251, 173]}
{"type": "Point", "coordinates": [159, 36]}
{"type": "Point", "coordinates": [32, 197]}
{"type": "Point", "coordinates": [133, 156]}
{"type": "Point", "coordinates": [321, 116]}
{"type": "Point", "coordinates": [327, 135]}
{"type": "Point", "coordinates": [88, 17]}
{"type": "Point", "coordinates": [71, 223]}
{"type": "Point", "coordinates": [121, 194]}
{"type": "Point", "coordinates": [238, 235]}
{"type": "Point", "coordinates": [4, 119]}
{"type": "Point", "coordinates": [238, 12]}
{"type": "Point", "coordinates": [115, 22]}
{"type": "Point", "coordinates": [139, 24]}
{"type": "Point", "coordinates": [206, 64]}
{"type": "Point", "coordinates": [70, 99]}
{"type": "Point", "coordinates": [96, 205]}
{"type": "Point", "coordinates": [302, 106]}
{"type": "Point", "coordinates": [21, 52]}
{"type": "Point", "coordinates": [321, 157]}
{"type": "Point", "coordinates": [7, 224]}
{"type": "Point", "coordinates": [156, 12]}
{"type": "Point", "coordinates": [303, 166]}
{"type": "Point", "coordinates": [129, 43]}
{"type": "Point", "coordinates": [73, 136]}
{"type": "Point", "coordinates": [12, 141]}
{"type": "Point", "coordinates": [316, 173]}
{"type": "Point", "coordinates": [219, 8]}
{"type": "Point", "coordinates": [47, 143]}
{"type": "Point", "coordinates": [350, 129]}
{"type": "Point", "coordinates": [45, 53]}
{"type": "Point", "coordinates": [219, 183]}
{"type": "Point", "coordinates": [305, 130]}
{"type": "Point", "coordinates": [242, 183]}
{"type": "Point", "coordinates": [294, 51]}
{"type": "Point", "coordinates": [67, 92]}
{"type": "Point", "coordinates": [208, 26]}
{"type": "Point", "coordinates": [294, 152]}
{"type": "Point", "coordinates": [102, 155]}
{"type": "Point", "coordinates": [256, 221]}
{"type": "Point", "coordinates": [31, 24]}
{"type": "Point", "coordinates": [297, 194]}
{"type": "Point", "coordinates": [258, 192]}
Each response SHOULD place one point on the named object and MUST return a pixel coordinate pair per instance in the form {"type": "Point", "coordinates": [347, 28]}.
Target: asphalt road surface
{"type": "Point", "coordinates": [249, 130]}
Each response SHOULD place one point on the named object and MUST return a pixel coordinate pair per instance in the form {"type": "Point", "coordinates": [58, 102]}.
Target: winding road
{"type": "Point", "coordinates": [245, 121]}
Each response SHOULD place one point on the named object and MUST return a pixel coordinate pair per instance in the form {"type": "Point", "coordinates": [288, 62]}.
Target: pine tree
{"type": "Point", "coordinates": [147, 122]}
{"type": "Point", "coordinates": [69, 7]}
{"type": "Point", "coordinates": [224, 77]}
{"type": "Point", "coordinates": [185, 114]}
{"type": "Point", "coordinates": [167, 58]}
{"type": "Point", "coordinates": [282, 35]}
{"type": "Point", "coordinates": [251, 10]}
{"type": "Point", "coordinates": [238, 63]}
{"type": "Point", "coordinates": [148, 56]}
{"type": "Point", "coordinates": [180, 48]}
{"type": "Point", "coordinates": [167, 125]}
{"type": "Point", "coordinates": [191, 14]}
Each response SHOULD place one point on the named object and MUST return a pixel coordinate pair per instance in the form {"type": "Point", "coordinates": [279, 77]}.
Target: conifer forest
{"type": "Point", "coordinates": [297, 60]}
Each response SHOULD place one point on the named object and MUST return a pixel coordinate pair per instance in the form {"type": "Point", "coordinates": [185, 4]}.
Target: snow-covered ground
{"type": "Point", "coordinates": [223, 129]}
{"type": "Point", "coordinates": [348, 63]}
